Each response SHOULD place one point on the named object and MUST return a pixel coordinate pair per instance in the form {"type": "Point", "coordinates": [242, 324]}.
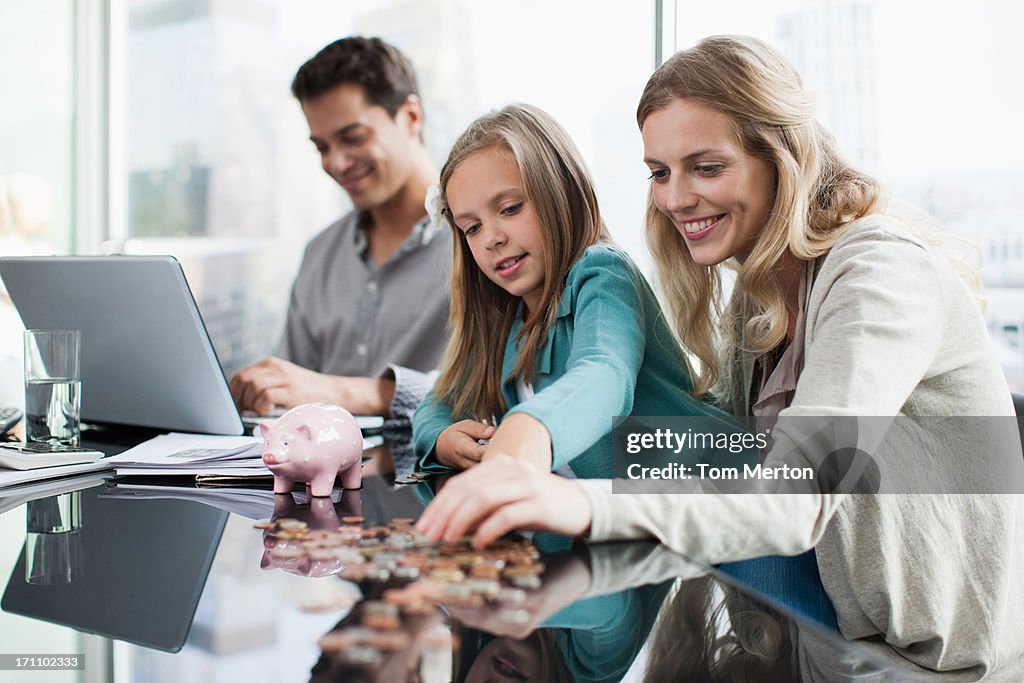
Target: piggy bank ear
{"type": "Point", "coordinates": [263, 428]}
{"type": "Point", "coordinates": [304, 432]}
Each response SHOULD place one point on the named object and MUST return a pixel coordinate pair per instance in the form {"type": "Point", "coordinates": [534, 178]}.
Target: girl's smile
{"type": "Point", "coordinates": [510, 266]}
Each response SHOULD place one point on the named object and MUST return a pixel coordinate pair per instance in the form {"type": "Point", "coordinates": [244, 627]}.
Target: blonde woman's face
{"type": "Point", "coordinates": [716, 195]}
{"type": "Point", "coordinates": [489, 206]}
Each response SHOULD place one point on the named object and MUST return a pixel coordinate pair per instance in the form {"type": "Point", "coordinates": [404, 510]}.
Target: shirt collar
{"type": "Point", "coordinates": [422, 233]}
{"type": "Point", "coordinates": [779, 380]}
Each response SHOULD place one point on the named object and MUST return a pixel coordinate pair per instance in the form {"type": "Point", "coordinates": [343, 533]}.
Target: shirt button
{"type": "Point", "coordinates": [361, 349]}
{"type": "Point", "coordinates": [371, 286]}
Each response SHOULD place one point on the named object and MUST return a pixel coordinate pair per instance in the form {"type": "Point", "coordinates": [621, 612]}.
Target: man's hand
{"type": "Point", "coordinates": [458, 445]}
{"type": "Point", "coordinates": [503, 493]}
{"type": "Point", "coordinates": [274, 382]}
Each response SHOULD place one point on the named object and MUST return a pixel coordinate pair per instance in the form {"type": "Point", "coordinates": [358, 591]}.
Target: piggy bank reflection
{"type": "Point", "coordinates": [292, 554]}
{"type": "Point", "coordinates": [314, 443]}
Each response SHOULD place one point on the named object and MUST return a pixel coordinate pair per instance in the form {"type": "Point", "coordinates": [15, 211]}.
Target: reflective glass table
{"type": "Point", "coordinates": [183, 583]}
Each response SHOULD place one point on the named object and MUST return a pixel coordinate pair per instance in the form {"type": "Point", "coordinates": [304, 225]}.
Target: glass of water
{"type": "Point", "coordinates": [53, 399]}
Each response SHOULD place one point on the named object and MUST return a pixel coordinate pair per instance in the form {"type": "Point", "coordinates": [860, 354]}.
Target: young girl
{"type": "Point", "coordinates": [838, 309]}
{"type": "Point", "coordinates": [553, 330]}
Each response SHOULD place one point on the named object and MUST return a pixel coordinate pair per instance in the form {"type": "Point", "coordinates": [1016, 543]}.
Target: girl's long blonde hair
{"type": "Point", "coordinates": [560, 191]}
{"type": "Point", "coordinates": [816, 195]}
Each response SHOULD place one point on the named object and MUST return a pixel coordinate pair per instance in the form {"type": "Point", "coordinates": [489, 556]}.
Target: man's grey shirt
{"type": "Point", "coordinates": [347, 316]}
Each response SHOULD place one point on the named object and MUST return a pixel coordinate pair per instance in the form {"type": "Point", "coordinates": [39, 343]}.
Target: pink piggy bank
{"type": "Point", "coordinates": [313, 443]}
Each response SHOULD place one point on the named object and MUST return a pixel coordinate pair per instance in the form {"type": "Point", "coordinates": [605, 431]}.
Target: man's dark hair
{"type": "Point", "coordinates": [386, 75]}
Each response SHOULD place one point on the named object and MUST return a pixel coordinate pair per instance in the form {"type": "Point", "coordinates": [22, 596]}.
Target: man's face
{"type": "Point", "coordinates": [367, 152]}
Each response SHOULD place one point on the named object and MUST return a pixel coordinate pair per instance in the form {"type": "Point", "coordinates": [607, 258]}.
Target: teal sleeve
{"type": "Point", "coordinates": [600, 637]}
{"type": "Point", "coordinates": [430, 419]}
{"type": "Point", "coordinates": [606, 354]}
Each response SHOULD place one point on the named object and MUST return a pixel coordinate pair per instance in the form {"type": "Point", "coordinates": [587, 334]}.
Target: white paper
{"type": "Point", "coordinates": [210, 468]}
{"type": "Point", "coordinates": [188, 451]}
{"type": "Point", "coordinates": [15, 477]}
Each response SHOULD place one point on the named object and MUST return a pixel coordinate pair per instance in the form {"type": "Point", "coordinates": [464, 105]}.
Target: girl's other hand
{"type": "Point", "coordinates": [500, 495]}
{"type": "Point", "coordinates": [459, 446]}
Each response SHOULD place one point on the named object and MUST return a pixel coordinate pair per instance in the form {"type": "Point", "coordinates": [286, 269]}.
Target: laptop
{"type": "Point", "coordinates": [147, 359]}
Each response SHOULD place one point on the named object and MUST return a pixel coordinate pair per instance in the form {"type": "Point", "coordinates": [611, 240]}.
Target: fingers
{"type": "Point", "coordinates": [502, 494]}
{"type": "Point", "coordinates": [464, 460]}
{"type": "Point", "coordinates": [475, 430]}
{"type": "Point", "coordinates": [457, 447]}
{"type": "Point", "coordinates": [264, 385]}
{"type": "Point", "coordinates": [518, 515]}
{"type": "Point", "coordinates": [434, 517]}
{"type": "Point", "coordinates": [473, 496]}
{"type": "Point", "coordinates": [247, 384]}
{"type": "Point", "coordinates": [486, 619]}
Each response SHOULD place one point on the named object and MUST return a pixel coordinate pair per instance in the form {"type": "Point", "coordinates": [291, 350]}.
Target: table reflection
{"type": "Point", "coordinates": [53, 540]}
{"type": "Point", "coordinates": [342, 589]}
{"type": "Point", "coordinates": [285, 550]}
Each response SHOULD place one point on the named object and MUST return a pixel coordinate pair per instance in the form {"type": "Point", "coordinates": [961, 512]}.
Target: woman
{"type": "Point", "coordinates": [838, 309]}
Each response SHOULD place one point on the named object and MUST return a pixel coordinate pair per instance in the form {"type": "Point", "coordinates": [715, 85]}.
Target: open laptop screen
{"type": "Point", "coordinates": [146, 357]}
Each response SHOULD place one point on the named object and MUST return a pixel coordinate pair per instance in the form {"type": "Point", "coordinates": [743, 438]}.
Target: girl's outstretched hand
{"type": "Point", "coordinates": [500, 494]}
{"type": "Point", "coordinates": [459, 445]}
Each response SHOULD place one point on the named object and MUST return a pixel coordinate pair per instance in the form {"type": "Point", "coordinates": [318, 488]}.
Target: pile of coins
{"type": "Point", "coordinates": [413, 478]}
{"type": "Point", "coordinates": [427, 573]}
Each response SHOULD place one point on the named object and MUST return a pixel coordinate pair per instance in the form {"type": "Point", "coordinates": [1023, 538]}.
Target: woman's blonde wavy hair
{"type": "Point", "coordinates": [561, 193]}
{"type": "Point", "coordinates": [816, 195]}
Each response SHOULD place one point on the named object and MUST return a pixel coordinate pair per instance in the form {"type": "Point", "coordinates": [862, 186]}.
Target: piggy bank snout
{"type": "Point", "coordinates": [275, 456]}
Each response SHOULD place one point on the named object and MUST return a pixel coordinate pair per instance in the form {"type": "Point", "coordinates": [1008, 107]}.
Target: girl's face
{"type": "Point", "coordinates": [505, 659]}
{"type": "Point", "coordinates": [716, 195]}
{"type": "Point", "coordinates": [489, 206]}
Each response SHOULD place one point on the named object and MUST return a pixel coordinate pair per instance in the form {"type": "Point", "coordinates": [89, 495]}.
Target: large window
{"type": "Point", "coordinates": [926, 95]}
{"type": "Point", "coordinates": [217, 167]}
{"type": "Point", "coordinates": [36, 192]}
{"type": "Point", "coordinates": [37, 43]}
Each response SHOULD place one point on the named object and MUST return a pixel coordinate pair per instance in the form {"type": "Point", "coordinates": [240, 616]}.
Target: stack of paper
{"type": "Point", "coordinates": [13, 478]}
{"type": "Point", "coordinates": [178, 454]}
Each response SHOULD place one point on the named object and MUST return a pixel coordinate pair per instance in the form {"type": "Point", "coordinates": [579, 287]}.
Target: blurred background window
{"type": "Point", "coordinates": [36, 152]}
{"type": "Point", "coordinates": [924, 94]}
{"type": "Point", "coordinates": [167, 126]}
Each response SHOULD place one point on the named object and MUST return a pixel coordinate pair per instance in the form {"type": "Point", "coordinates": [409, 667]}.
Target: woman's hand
{"type": "Point", "coordinates": [501, 494]}
{"type": "Point", "coordinates": [459, 447]}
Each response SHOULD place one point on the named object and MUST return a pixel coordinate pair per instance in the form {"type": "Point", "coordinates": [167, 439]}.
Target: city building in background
{"type": "Point", "coordinates": [832, 46]}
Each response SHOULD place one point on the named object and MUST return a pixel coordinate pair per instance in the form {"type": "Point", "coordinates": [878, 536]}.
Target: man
{"type": "Point", "coordinates": [368, 308]}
